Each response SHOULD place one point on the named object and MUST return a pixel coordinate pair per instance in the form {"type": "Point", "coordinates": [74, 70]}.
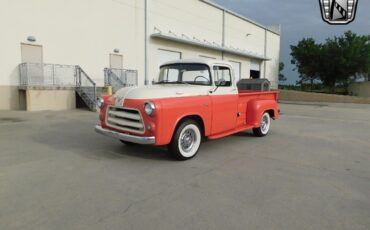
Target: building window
{"type": "Point", "coordinates": [255, 72]}
{"type": "Point", "coordinates": [237, 69]}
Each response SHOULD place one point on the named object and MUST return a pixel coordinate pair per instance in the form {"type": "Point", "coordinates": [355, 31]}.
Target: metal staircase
{"type": "Point", "coordinates": [119, 78]}
{"type": "Point", "coordinates": [113, 80]}
{"type": "Point", "coordinates": [86, 88]}
{"type": "Point", "coordinates": [54, 76]}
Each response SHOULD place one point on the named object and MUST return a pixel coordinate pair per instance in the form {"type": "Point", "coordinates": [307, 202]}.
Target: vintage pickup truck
{"type": "Point", "coordinates": [189, 101]}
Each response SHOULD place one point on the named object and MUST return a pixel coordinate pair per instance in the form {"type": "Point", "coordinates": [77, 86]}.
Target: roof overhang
{"type": "Point", "coordinates": [208, 45]}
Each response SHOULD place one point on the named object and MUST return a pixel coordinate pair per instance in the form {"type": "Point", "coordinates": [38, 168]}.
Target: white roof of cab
{"type": "Point", "coordinates": [209, 62]}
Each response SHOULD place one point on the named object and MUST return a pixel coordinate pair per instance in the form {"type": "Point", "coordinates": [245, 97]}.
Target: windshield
{"type": "Point", "coordinates": [194, 74]}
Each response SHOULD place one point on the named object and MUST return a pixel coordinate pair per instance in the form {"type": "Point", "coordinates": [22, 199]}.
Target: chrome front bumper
{"type": "Point", "coordinates": [125, 137]}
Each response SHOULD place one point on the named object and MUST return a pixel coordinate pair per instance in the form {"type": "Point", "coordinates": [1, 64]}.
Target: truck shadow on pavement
{"type": "Point", "coordinates": [141, 151]}
{"type": "Point", "coordinates": [78, 137]}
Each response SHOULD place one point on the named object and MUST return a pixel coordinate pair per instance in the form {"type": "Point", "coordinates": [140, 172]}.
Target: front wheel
{"type": "Point", "coordinates": [186, 141]}
{"type": "Point", "coordinates": [265, 126]}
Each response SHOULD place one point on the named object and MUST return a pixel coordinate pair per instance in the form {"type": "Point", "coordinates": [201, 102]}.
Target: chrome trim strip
{"type": "Point", "coordinates": [125, 137]}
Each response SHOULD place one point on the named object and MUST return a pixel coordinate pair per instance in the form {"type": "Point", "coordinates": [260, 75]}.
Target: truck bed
{"type": "Point", "coordinates": [246, 95]}
{"type": "Point", "coordinates": [248, 118]}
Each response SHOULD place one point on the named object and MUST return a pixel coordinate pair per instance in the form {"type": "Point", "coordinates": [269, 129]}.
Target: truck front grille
{"type": "Point", "coordinates": [125, 119]}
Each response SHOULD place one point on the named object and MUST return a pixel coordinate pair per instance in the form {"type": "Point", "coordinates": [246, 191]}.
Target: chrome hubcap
{"type": "Point", "coordinates": [188, 139]}
{"type": "Point", "coordinates": [264, 123]}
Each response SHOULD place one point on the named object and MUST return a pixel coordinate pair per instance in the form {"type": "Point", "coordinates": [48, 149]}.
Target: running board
{"type": "Point", "coordinates": [228, 133]}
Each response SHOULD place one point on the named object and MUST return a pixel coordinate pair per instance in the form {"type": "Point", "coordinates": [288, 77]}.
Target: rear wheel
{"type": "Point", "coordinates": [186, 141]}
{"type": "Point", "coordinates": [265, 126]}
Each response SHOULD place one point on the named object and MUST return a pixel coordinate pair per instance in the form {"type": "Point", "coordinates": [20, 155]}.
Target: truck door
{"type": "Point", "coordinates": [224, 101]}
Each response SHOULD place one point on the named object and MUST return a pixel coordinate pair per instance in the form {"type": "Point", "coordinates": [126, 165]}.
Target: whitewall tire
{"type": "Point", "coordinates": [186, 140]}
{"type": "Point", "coordinates": [265, 125]}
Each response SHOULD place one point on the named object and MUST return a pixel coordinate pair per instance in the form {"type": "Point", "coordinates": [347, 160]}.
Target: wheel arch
{"type": "Point", "coordinates": [256, 108]}
{"type": "Point", "coordinates": [271, 112]}
{"type": "Point", "coordinates": [195, 117]}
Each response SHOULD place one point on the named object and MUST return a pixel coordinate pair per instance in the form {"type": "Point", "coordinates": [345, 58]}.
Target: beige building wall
{"type": "Point", "coordinates": [53, 100]}
{"type": "Point", "coordinates": [9, 97]}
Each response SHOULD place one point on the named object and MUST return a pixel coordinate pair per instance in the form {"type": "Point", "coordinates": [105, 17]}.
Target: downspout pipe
{"type": "Point", "coordinates": [223, 32]}
{"type": "Point", "coordinates": [146, 81]}
{"type": "Point", "coordinates": [265, 53]}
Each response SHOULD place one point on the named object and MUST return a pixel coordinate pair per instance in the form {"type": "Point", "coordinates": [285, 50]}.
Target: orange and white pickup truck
{"type": "Point", "coordinates": [191, 100]}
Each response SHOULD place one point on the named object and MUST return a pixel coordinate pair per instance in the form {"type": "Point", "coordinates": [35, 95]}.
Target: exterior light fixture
{"type": "Point", "coordinates": [116, 50]}
{"type": "Point", "coordinates": [247, 35]}
{"type": "Point", "coordinates": [31, 39]}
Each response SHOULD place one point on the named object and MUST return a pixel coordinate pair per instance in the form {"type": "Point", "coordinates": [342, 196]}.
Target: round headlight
{"type": "Point", "coordinates": [149, 108]}
{"type": "Point", "coordinates": [100, 102]}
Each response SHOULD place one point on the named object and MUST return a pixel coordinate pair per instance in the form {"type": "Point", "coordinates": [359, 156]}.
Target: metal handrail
{"type": "Point", "coordinates": [40, 74]}
{"type": "Point", "coordinates": [87, 76]}
{"type": "Point", "coordinates": [88, 93]}
{"type": "Point", "coordinates": [119, 78]}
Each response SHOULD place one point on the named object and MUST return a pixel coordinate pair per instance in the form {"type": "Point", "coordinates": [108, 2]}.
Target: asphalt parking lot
{"type": "Point", "coordinates": [311, 172]}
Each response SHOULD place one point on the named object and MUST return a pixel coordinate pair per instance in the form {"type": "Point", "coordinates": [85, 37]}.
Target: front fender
{"type": "Point", "coordinates": [176, 109]}
{"type": "Point", "coordinates": [256, 108]}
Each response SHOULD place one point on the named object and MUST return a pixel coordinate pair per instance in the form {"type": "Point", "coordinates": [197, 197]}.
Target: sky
{"type": "Point", "coordinates": [299, 19]}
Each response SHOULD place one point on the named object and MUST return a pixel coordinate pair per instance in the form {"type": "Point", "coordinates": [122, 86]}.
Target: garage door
{"type": "Point", "coordinates": [237, 69]}
{"type": "Point", "coordinates": [255, 69]}
{"type": "Point", "coordinates": [167, 55]}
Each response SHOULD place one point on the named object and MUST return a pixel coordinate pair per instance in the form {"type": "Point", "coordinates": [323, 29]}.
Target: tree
{"type": "Point", "coordinates": [281, 74]}
{"type": "Point", "coordinates": [306, 57]}
{"type": "Point", "coordinates": [334, 62]}
{"type": "Point", "coordinates": [344, 57]}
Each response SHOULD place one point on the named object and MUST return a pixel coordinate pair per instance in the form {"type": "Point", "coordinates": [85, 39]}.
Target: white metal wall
{"type": "Point", "coordinates": [200, 21]}
{"type": "Point", "coordinates": [273, 52]}
{"type": "Point", "coordinates": [82, 32]}
{"type": "Point", "coordinates": [85, 32]}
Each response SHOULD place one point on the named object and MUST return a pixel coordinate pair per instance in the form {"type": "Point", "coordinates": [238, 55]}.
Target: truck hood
{"type": "Point", "coordinates": [161, 91]}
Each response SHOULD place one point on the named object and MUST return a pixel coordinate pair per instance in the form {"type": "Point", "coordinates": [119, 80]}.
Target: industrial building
{"type": "Point", "coordinates": [52, 49]}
